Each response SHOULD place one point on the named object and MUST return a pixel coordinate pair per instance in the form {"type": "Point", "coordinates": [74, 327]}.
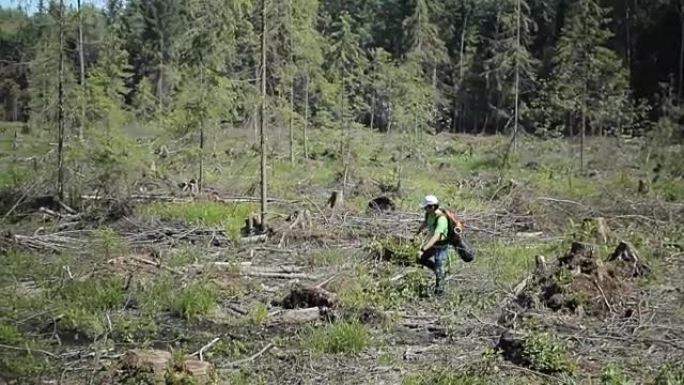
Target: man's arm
{"type": "Point", "coordinates": [439, 230]}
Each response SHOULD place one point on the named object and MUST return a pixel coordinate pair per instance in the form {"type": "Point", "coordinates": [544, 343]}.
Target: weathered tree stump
{"type": "Point", "coordinates": [199, 370]}
{"type": "Point", "coordinates": [336, 199]}
{"type": "Point", "coordinates": [625, 252]}
{"type": "Point", "coordinates": [155, 361]}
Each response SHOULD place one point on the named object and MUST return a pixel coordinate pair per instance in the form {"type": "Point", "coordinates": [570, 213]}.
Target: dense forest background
{"type": "Point", "coordinates": [552, 67]}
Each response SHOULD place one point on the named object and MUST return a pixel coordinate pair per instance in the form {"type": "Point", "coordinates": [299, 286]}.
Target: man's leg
{"type": "Point", "coordinates": [441, 255]}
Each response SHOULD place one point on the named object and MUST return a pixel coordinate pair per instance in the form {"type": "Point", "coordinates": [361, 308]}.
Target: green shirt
{"type": "Point", "coordinates": [437, 225]}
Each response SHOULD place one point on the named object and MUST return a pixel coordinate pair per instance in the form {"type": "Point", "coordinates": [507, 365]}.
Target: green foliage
{"type": "Point", "coordinates": [195, 300]}
{"type": "Point", "coordinates": [548, 354]}
{"type": "Point", "coordinates": [259, 314]}
{"type": "Point", "coordinates": [446, 377]}
{"type": "Point", "coordinates": [108, 242]}
{"type": "Point", "coordinates": [19, 363]}
{"type": "Point", "coordinates": [339, 338]}
{"type": "Point", "coordinates": [613, 375]}
{"type": "Point", "coordinates": [207, 213]}
{"type": "Point", "coordinates": [670, 374]}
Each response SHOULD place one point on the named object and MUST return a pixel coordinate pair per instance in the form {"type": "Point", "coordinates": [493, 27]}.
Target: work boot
{"type": "Point", "coordinates": [439, 287]}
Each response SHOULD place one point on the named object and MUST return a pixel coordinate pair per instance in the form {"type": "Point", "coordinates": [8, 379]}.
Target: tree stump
{"type": "Point", "coordinates": [199, 370]}
{"type": "Point", "coordinates": [155, 361]}
{"type": "Point", "coordinates": [625, 252]}
{"type": "Point", "coordinates": [336, 199]}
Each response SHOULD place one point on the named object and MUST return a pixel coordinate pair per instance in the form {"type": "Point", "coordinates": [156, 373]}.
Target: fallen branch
{"type": "Point", "coordinates": [28, 350]}
{"type": "Point", "coordinates": [204, 348]}
{"type": "Point", "coordinates": [253, 357]}
{"type": "Point", "coordinates": [605, 299]}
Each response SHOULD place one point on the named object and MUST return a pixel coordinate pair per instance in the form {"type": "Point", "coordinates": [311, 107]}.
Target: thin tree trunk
{"type": "Point", "coordinates": [255, 118]}
{"type": "Point", "coordinates": [434, 89]}
{"type": "Point", "coordinates": [200, 178]}
{"type": "Point", "coordinates": [262, 110]}
{"type": "Point", "coordinates": [517, 78]}
{"type": "Point", "coordinates": [583, 133]}
{"type": "Point", "coordinates": [306, 117]}
{"type": "Point", "coordinates": [60, 106]}
{"type": "Point", "coordinates": [372, 112]}
{"type": "Point", "coordinates": [681, 51]}
{"type": "Point", "coordinates": [160, 80]}
{"type": "Point", "coordinates": [81, 68]}
{"type": "Point", "coordinates": [461, 68]}
{"type": "Point", "coordinates": [292, 158]}
{"type": "Point", "coordinates": [628, 37]}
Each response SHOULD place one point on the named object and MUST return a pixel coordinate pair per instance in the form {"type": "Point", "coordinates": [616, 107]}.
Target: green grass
{"type": "Point", "coordinates": [548, 354]}
{"type": "Point", "coordinates": [447, 377]}
{"type": "Point", "coordinates": [194, 301]}
{"type": "Point", "coordinates": [508, 263]}
{"type": "Point", "coordinates": [84, 305]}
{"type": "Point", "coordinates": [338, 338]}
{"type": "Point", "coordinates": [20, 363]}
{"type": "Point", "coordinates": [206, 213]}
{"type": "Point", "coordinates": [183, 257]}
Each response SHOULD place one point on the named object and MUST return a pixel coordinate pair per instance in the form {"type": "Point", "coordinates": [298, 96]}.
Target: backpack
{"type": "Point", "coordinates": [456, 239]}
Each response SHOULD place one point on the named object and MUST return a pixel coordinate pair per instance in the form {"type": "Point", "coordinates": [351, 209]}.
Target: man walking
{"type": "Point", "coordinates": [434, 251]}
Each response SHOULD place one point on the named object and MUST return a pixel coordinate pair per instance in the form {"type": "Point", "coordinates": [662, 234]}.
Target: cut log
{"type": "Point", "coordinates": [246, 269]}
{"type": "Point", "coordinates": [294, 316]}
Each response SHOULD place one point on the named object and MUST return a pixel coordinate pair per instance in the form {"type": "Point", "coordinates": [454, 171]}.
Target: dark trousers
{"type": "Point", "coordinates": [434, 259]}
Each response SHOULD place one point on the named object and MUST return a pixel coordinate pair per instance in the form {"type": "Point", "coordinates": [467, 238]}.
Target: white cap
{"type": "Point", "coordinates": [429, 200]}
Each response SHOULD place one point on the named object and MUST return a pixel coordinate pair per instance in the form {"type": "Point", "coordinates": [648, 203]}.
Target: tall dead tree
{"type": "Point", "coordinates": [517, 77]}
{"type": "Point", "coordinates": [81, 62]}
{"type": "Point", "coordinates": [60, 106]}
{"type": "Point", "coordinates": [262, 110]}
{"type": "Point", "coordinates": [292, 85]}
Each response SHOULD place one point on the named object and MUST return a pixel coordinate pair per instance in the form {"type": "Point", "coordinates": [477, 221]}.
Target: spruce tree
{"type": "Point", "coordinates": [587, 74]}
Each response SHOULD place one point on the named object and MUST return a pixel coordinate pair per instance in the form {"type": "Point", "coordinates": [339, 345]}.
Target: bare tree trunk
{"type": "Point", "coordinates": [681, 51]}
{"type": "Point", "coordinates": [628, 37]}
{"type": "Point", "coordinates": [372, 106]}
{"type": "Point", "coordinates": [584, 128]}
{"type": "Point", "coordinates": [60, 106]}
{"type": "Point", "coordinates": [461, 69]}
{"type": "Point", "coordinates": [255, 119]}
{"type": "Point", "coordinates": [306, 116]}
{"type": "Point", "coordinates": [517, 78]}
{"type": "Point", "coordinates": [81, 60]}
{"type": "Point", "coordinates": [292, 158]}
{"type": "Point", "coordinates": [434, 89]}
{"type": "Point", "coordinates": [160, 80]}
{"type": "Point", "coordinates": [262, 110]}
{"type": "Point", "coordinates": [200, 178]}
